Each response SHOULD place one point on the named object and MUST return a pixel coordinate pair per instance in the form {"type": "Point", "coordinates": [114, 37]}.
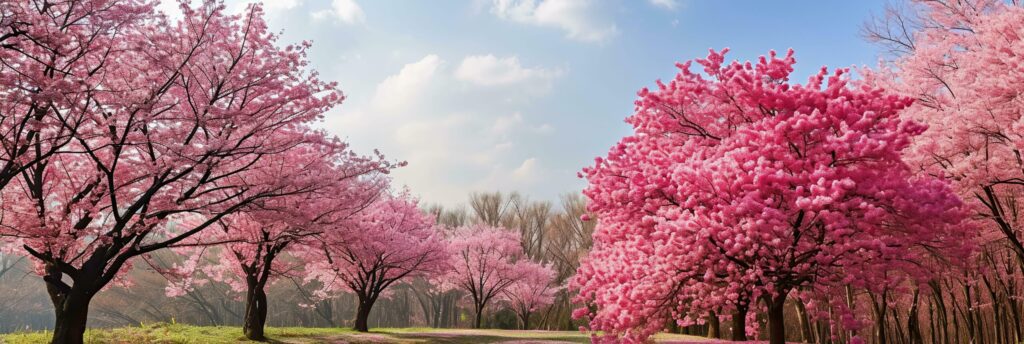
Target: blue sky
{"type": "Point", "coordinates": [519, 95]}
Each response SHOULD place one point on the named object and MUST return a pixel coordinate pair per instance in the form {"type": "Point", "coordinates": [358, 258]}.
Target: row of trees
{"type": "Point", "coordinates": [210, 284]}
{"type": "Point", "coordinates": [883, 209]}
{"type": "Point", "coordinates": [365, 252]}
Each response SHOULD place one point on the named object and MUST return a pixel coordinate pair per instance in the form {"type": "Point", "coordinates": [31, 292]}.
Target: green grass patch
{"type": "Point", "coordinates": [180, 333]}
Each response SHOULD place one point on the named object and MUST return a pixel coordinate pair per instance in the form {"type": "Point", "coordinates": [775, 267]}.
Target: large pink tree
{"type": "Point", "coordinates": [390, 241]}
{"type": "Point", "coordinates": [739, 181]}
{"type": "Point", "coordinates": [186, 126]}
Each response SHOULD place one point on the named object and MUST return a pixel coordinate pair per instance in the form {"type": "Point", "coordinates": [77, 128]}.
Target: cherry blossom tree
{"type": "Point", "coordinates": [55, 57]}
{"type": "Point", "coordinates": [738, 180]}
{"type": "Point", "coordinates": [963, 67]}
{"type": "Point", "coordinates": [531, 292]}
{"type": "Point", "coordinates": [961, 61]}
{"type": "Point", "coordinates": [254, 240]}
{"type": "Point", "coordinates": [189, 124]}
{"type": "Point", "coordinates": [486, 261]}
{"type": "Point", "coordinates": [391, 241]}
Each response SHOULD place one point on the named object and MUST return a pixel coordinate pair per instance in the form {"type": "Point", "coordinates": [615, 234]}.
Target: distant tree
{"type": "Point", "coordinates": [737, 180]}
{"type": "Point", "coordinates": [568, 239]}
{"type": "Point", "coordinates": [493, 208]}
{"type": "Point", "coordinates": [485, 261]}
{"type": "Point", "coordinates": [533, 290]}
{"type": "Point", "coordinates": [391, 241]}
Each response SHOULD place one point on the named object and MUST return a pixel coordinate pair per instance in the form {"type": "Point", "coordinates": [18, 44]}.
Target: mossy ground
{"type": "Point", "coordinates": [180, 333]}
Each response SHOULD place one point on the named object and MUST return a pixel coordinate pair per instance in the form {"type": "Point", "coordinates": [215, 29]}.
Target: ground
{"type": "Point", "coordinates": [178, 333]}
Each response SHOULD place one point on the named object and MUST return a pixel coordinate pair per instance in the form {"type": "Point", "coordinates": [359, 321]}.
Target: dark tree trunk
{"type": "Point", "coordinates": [71, 316]}
{"type": "Point", "coordinates": [478, 317]}
{"type": "Point", "coordinates": [255, 319]}
{"type": "Point", "coordinates": [913, 321]}
{"type": "Point", "coordinates": [714, 328]}
{"type": "Point", "coordinates": [70, 306]}
{"type": "Point", "coordinates": [363, 314]}
{"type": "Point", "coordinates": [255, 313]}
{"type": "Point", "coordinates": [880, 307]}
{"type": "Point", "coordinates": [363, 317]}
{"type": "Point", "coordinates": [739, 324]}
{"type": "Point", "coordinates": [776, 319]}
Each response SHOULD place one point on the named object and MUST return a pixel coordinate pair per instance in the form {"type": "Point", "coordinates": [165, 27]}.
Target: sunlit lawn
{"type": "Point", "coordinates": [178, 333]}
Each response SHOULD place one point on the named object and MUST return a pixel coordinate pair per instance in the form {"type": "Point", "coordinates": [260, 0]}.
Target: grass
{"type": "Point", "coordinates": [180, 333]}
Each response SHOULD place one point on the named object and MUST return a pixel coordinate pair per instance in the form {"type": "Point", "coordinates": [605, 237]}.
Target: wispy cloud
{"type": "Point", "coordinates": [345, 11]}
{"type": "Point", "coordinates": [580, 19]}
{"type": "Point", "coordinates": [271, 7]}
{"type": "Point", "coordinates": [399, 91]}
{"type": "Point", "coordinates": [666, 4]}
{"type": "Point", "coordinates": [489, 70]}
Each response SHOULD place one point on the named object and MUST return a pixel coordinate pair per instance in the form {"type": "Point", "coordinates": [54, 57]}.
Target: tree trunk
{"type": "Point", "coordinates": [880, 307]}
{"type": "Point", "coordinates": [478, 317]}
{"type": "Point", "coordinates": [805, 322]}
{"type": "Point", "coordinates": [442, 312]}
{"type": "Point", "coordinates": [714, 328]}
{"type": "Point", "coordinates": [739, 324]}
{"type": "Point", "coordinates": [255, 313]}
{"type": "Point", "coordinates": [70, 306]}
{"type": "Point", "coordinates": [913, 321]}
{"type": "Point", "coordinates": [776, 319]}
{"type": "Point", "coordinates": [363, 315]}
{"type": "Point", "coordinates": [71, 316]}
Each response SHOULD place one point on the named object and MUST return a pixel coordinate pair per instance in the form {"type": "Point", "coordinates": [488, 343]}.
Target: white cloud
{"type": "Point", "coordinates": [503, 125]}
{"type": "Point", "coordinates": [347, 11]}
{"type": "Point", "coordinates": [400, 90]}
{"type": "Point", "coordinates": [526, 171]}
{"type": "Point", "coordinates": [488, 70]}
{"type": "Point", "coordinates": [456, 139]}
{"type": "Point", "coordinates": [527, 174]}
{"type": "Point", "coordinates": [578, 18]}
{"type": "Point", "coordinates": [271, 8]}
{"type": "Point", "coordinates": [666, 4]}
{"type": "Point", "coordinates": [544, 128]}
